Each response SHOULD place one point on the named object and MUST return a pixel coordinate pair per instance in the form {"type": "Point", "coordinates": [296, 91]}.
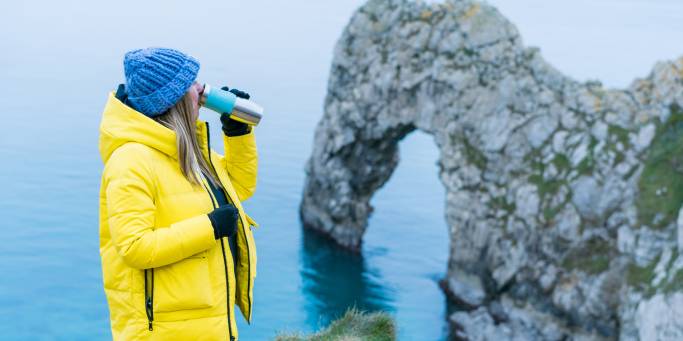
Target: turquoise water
{"type": "Point", "coordinates": [59, 61]}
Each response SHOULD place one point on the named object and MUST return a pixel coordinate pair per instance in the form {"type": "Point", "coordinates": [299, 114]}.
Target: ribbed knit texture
{"type": "Point", "coordinates": [156, 78]}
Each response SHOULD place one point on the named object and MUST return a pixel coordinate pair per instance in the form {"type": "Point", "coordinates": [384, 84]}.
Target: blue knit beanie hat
{"type": "Point", "coordinates": [156, 78]}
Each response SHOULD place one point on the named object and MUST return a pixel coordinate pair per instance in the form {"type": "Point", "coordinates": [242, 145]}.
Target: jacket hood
{"type": "Point", "coordinates": [121, 124]}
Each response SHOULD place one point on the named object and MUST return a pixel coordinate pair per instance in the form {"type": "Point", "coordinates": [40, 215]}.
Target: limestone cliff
{"type": "Point", "coordinates": [563, 197]}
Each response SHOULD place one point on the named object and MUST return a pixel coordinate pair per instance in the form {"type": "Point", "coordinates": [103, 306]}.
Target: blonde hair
{"type": "Point", "coordinates": [179, 118]}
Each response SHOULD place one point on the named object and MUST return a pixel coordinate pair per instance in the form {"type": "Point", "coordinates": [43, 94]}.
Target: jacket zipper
{"type": "Point", "coordinates": [225, 267]}
{"type": "Point", "coordinates": [149, 299]}
{"type": "Point", "coordinates": [246, 241]}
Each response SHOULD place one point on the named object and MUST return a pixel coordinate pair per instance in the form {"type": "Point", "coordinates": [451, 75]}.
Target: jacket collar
{"type": "Point", "coordinates": [121, 124]}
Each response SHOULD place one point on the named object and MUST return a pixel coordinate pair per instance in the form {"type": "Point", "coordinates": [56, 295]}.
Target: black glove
{"type": "Point", "coordinates": [224, 221]}
{"type": "Point", "coordinates": [232, 127]}
{"type": "Point", "coordinates": [238, 93]}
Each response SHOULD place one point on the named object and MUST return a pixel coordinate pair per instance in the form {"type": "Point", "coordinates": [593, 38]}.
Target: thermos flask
{"type": "Point", "coordinates": [240, 109]}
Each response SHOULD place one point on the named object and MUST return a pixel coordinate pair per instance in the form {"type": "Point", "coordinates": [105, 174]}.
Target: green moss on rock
{"type": "Point", "coordinates": [661, 182]}
{"type": "Point", "coordinates": [561, 162]}
{"type": "Point", "coordinates": [586, 166]}
{"type": "Point", "coordinates": [676, 284]}
{"type": "Point", "coordinates": [548, 188]}
{"type": "Point", "coordinates": [641, 277]}
{"type": "Point", "coordinates": [502, 203]}
{"type": "Point", "coordinates": [549, 213]}
{"type": "Point", "coordinates": [619, 134]}
{"type": "Point", "coordinates": [473, 155]}
{"type": "Point", "coordinates": [592, 257]}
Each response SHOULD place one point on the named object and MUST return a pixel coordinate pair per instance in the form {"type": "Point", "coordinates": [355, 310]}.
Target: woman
{"type": "Point", "coordinates": [176, 245]}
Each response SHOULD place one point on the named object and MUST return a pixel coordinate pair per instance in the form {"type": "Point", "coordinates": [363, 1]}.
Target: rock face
{"type": "Point", "coordinates": [563, 198]}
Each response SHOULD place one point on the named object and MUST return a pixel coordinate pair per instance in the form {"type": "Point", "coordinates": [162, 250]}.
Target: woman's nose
{"type": "Point", "coordinates": [200, 94]}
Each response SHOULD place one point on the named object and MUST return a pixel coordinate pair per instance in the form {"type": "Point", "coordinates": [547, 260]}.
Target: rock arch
{"type": "Point", "coordinates": [562, 197]}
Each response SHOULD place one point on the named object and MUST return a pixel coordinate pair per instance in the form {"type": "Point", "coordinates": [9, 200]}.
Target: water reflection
{"type": "Point", "coordinates": [335, 279]}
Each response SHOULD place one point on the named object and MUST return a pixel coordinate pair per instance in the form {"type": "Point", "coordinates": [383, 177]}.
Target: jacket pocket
{"type": "Point", "coordinates": [183, 285]}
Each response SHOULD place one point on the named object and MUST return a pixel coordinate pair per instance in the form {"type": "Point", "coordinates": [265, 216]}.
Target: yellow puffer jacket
{"type": "Point", "coordinates": [165, 276]}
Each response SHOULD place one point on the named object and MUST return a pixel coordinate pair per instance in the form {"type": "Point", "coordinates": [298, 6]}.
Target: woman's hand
{"type": "Point", "coordinates": [232, 127]}
{"type": "Point", "coordinates": [224, 221]}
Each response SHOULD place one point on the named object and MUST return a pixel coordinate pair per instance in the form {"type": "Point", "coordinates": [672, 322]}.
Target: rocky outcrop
{"type": "Point", "coordinates": [563, 197]}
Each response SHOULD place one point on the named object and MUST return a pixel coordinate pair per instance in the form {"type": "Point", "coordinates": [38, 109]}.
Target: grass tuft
{"type": "Point", "coordinates": [355, 325]}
